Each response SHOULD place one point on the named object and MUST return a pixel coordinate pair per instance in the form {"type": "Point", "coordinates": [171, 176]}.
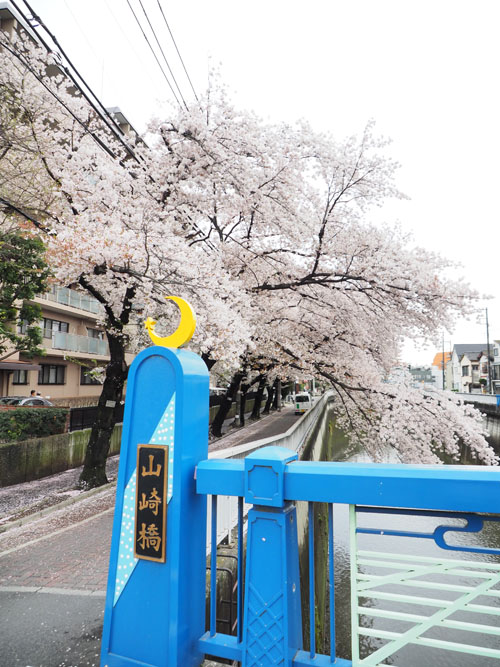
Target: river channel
{"type": "Point", "coordinates": [414, 655]}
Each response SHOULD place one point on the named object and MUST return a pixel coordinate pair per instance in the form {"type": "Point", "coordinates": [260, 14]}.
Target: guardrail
{"type": "Point", "coordinates": [487, 399]}
{"type": "Point", "coordinates": [459, 499]}
{"type": "Point", "coordinates": [293, 439]}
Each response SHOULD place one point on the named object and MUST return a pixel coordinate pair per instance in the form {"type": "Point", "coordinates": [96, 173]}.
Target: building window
{"type": "Point", "coordinates": [95, 333]}
{"type": "Point", "coordinates": [475, 367]}
{"type": "Point", "coordinates": [85, 378]}
{"type": "Point", "coordinates": [20, 377]}
{"type": "Point", "coordinates": [495, 351]}
{"type": "Point", "coordinates": [51, 374]}
{"type": "Point", "coordinates": [465, 371]}
{"type": "Point", "coordinates": [22, 327]}
{"type": "Point", "coordinates": [53, 326]}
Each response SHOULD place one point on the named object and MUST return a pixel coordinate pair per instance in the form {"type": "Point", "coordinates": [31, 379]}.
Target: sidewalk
{"type": "Point", "coordinates": [54, 552]}
{"type": "Point", "coordinates": [23, 502]}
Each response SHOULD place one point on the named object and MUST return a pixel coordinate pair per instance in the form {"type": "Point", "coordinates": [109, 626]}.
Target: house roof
{"type": "Point", "coordinates": [438, 359]}
{"type": "Point", "coordinates": [466, 348]}
{"type": "Point", "coordinates": [474, 356]}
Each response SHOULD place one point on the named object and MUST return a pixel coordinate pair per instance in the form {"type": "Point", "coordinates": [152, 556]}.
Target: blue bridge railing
{"type": "Point", "coordinates": [446, 601]}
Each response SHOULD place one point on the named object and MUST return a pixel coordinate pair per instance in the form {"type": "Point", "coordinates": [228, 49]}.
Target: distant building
{"type": "Point", "coordinates": [495, 367]}
{"type": "Point", "coordinates": [422, 377]}
{"type": "Point", "coordinates": [469, 362]}
{"type": "Point", "coordinates": [73, 338]}
{"type": "Point", "coordinates": [440, 364]}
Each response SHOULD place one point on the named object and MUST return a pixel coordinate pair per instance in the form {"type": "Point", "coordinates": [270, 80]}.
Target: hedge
{"type": "Point", "coordinates": [24, 423]}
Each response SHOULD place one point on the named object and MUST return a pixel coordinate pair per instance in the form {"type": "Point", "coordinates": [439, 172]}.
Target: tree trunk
{"type": "Point", "coordinates": [269, 402]}
{"type": "Point", "coordinates": [286, 390]}
{"type": "Point", "coordinates": [236, 421]}
{"type": "Point", "coordinates": [94, 467]}
{"type": "Point", "coordinates": [243, 402]}
{"type": "Point", "coordinates": [258, 398]}
{"type": "Point", "coordinates": [208, 360]}
{"type": "Point", "coordinates": [225, 406]}
{"type": "Point", "coordinates": [277, 395]}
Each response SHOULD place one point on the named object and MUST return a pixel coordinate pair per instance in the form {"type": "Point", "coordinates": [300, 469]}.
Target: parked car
{"type": "Point", "coordinates": [25, 401]}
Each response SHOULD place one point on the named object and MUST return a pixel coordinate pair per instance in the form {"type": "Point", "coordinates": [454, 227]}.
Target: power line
{"type": "Point", "coordinates": [178, 53]}
{"type": "Point", "coordinates": [154, 54]}
{"type": "Point", "coordinates": [163, 54]}
{"type": "Point", "coordinates": [91, 48]}
{"type": "Point", "coordinates": [102, 112]}
{"type": "Point", "coordinates": [99, 141]}
{"type": "Point", "coordinates": [7, 204]}
{"type": "Point", "coordinates": [137, 56]}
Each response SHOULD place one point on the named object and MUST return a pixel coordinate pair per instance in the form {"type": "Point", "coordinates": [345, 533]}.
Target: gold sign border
{"type": "Point", "coordinates": [164, 508]}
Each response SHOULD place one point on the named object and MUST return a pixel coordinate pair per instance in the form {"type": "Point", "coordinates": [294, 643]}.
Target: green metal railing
{"type": "Point", "coordinates": [434, 601]}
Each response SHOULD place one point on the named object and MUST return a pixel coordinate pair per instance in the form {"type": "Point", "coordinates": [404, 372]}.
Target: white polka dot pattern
{"type": "Point", "coordinates": [163, 435]}
{"type": "Point", "coordinates": [126, 560]}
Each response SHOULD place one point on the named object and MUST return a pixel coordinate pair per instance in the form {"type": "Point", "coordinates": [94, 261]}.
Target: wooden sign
{"type": "Point", "coordinates": [151, 503]}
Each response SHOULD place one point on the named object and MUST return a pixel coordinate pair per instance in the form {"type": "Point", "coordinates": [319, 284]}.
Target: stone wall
{"type": "Point", "coordinates": [39, 457]}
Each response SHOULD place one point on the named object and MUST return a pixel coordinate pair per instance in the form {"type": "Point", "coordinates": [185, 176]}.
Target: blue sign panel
{"type": "Point", "coordinates": [155, 602]}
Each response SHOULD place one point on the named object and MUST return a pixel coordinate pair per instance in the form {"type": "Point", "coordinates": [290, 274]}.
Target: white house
{"type": "Point", "coordinates": [466, 367]}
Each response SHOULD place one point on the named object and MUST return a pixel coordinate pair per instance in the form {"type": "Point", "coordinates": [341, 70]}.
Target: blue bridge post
{"type": "Point", "coordinates": [155, 602]}
{"type": "Point", "coordinates": [272, 631]}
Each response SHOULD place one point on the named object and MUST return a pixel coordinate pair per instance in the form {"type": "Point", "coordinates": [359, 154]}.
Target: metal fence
{"type": "Point", "coordinates": [293, 439]}
{"type": "Point", "coordinates": [460, 500]}
{"type": "Point", "coordinates": [82, 418]}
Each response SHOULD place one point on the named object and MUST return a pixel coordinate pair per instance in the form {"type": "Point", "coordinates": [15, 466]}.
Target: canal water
{"type": "Point", "coordinates": [414, 655]}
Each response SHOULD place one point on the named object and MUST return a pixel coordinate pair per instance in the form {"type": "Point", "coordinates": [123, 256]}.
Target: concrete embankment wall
{"type": "Point", "coordinates": [39, 457]}
{"type": "Point", "coordinates": [320, 446]}
{"type": "Point", "coordinates": [493, 427]}
{"type": "Point", "coordinates": [491, 418]}
{"type": "Point", "coordinates": [491, 421]}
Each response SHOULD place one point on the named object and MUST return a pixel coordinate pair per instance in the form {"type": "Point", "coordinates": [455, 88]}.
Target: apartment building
{"type": "Point", "coordinates": [74, 344]}
{"type": "Point", "coordinates": [73, 341]}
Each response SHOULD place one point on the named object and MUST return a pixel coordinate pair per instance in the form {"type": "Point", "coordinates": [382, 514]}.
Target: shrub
{"type": "Point", "coordinates": [24, 423]}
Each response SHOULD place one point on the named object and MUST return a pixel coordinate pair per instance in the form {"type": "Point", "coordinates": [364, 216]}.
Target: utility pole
{"type": "Point", "coordinates": [442, 363]}
{"type": "Point", "coordinates": [488, 351]}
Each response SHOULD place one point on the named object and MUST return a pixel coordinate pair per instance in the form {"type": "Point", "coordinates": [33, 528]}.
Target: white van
{"type": "Point", "coordinates": [302, 403]}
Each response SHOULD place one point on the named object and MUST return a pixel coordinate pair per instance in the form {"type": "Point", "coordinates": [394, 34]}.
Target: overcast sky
{"type": "Point", "coordinates": [426, 71]}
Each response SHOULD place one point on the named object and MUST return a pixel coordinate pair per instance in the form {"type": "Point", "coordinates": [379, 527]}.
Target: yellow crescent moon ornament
{"type": "Point", "coordinates": [184, 331]}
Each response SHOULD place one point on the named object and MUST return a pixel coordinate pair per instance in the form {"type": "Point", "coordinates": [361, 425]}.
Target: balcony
{"type": "Point", "coordinates": [75, 343]}
{"type": "Point", "coordinates": [70, 297]}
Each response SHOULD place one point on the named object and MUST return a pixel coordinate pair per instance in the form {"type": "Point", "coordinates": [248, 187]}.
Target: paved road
{"type": "Point", "coordinates": [53, 569]}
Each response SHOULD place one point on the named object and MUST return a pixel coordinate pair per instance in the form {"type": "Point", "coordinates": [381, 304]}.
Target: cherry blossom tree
{"type": "Point", "coordinates": [95, 204]}
{"type": "Point", "coordinates": [264, 227]}
{"type": "Point", "coordinates": [329, 294]}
